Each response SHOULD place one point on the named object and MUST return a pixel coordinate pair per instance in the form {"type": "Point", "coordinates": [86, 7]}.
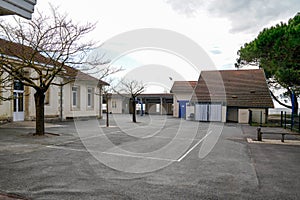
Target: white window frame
{"type": "Point", "coordinates": [77, 96]}
{"type": "Point", "coordinates": [114, 104]}
{"type": "Point", "coordinates": [90, 97]}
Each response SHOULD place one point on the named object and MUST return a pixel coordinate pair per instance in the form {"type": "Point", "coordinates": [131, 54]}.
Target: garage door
{"type": "Point", "coordinates": [208, 112]}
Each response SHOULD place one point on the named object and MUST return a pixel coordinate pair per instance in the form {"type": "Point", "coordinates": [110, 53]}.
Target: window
{"type": "Point", "coordinates": [75, 96]}
{"type": "Point", "coordinates": [90, 99]}
{"type": "Point", "coordinates": [114, 104]}
{"type": "Point", "coordinates": [157, 108]}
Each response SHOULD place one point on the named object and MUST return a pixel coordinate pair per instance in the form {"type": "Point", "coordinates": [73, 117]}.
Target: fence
{"type": "Point", "coordinates": [285, 120]}
{"type": "Point", "coordinates": [289, 121]}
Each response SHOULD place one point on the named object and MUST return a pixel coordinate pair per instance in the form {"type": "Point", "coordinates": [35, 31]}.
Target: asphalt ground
{"type": "Point", "coordinates": [158, 158]}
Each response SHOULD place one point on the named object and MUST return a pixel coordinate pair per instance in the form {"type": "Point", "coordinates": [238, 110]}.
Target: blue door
{"type": "Point", "coordinates": [182, 108]}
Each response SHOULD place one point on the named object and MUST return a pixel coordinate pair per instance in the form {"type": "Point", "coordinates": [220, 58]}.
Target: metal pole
{"type": "Point", "coordinates": [100, 102]}
{"type": "Point", "coordinates": [61, 102]}
{"type": "Point", "coordinates": [299, 123]}
{"type": "Point", "coordinates": [285, 119]}
{"type": "Point", "coordinates": [281, 118]}
{"type": "Point", "coordinates": [161, 106]}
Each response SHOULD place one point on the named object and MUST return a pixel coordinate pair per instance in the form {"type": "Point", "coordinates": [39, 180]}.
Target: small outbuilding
{"type": "Point", "coordinates": [182, 93]}
{"type": "Point", "coordinates": [231, 96]}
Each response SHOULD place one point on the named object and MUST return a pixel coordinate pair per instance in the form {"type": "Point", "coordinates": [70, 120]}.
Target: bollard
{"type": "Point", "coordinates": [258, 134]}
{"type": "Point", "coordinates": [282, 137]}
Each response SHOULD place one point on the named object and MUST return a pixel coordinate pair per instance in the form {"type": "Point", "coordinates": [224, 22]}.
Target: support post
{"type": "Point", "coordinates": [100, 102]}
{"type": "Point", "coordinates": [299, 123]}
{"type": "Point", "coordinates": [258, 134]}
{"type": "Point", "coordinates": [61, 103]}
{"type": "Point", "coordinates": [281, 118]}
{"type": "Point", "coordinates": [161, 106]}
{"type": "Point", "coordinates": [285, 119]}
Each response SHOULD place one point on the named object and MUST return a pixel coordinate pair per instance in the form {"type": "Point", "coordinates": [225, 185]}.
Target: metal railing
{"type": "Point", "coordinates": [290, 121]}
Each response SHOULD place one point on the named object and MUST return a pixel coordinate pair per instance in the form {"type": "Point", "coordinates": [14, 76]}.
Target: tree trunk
{"type": "Point", "coordinates": [39, 98]}
{"type": "Point", "coordinates": [133, 111]}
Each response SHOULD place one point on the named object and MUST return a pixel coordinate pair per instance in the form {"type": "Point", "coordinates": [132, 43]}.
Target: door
{"type": "Point", "coordinates": [18, 106]}
{"type": "Point", "coordinates": [208, 112]}
{"type": "Point", "coordinates": [201, 112]}
{"type": "Point", "coordinates": [215, 112]}
{"type": "Point", "coordinates": [182, 109]}
{"type": "Point", "coordinates": [232, 114]}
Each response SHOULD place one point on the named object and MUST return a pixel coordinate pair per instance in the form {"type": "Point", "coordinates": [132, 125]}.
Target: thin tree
{"type": "Point", "coordinates": [45, 46]}
{"type": "Point", "coordinates": [133, 88]}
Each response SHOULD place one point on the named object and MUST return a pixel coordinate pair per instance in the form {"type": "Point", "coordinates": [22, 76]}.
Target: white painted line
{"type": "Point", "coordinates": [191, 149]}
{"type": "Point", "coordinates": [137, 156]}
{"type": "Point", "coordinates": [111, 153]}
{"type": "Point", "coordinates": [175, 138]}
{"type": "Point", "coordinates": [65, 148]}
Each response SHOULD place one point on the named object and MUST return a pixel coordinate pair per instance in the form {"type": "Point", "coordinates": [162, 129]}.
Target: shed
{"type": "Point", "coordinates": [182, 93]}
{"type": "Point", "coordinates": [231, 95]}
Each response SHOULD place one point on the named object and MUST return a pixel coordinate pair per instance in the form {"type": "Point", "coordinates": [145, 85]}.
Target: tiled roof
{"type": "Point", "coordinates": [240, 88]}
{"type": "Point", "coordinates": [19, 51]}
{"type": "Point", "coordinates": [183, 86]}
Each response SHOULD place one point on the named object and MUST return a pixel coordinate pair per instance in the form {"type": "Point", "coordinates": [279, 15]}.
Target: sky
{"type": "Point", "coordinates": [220, 27]}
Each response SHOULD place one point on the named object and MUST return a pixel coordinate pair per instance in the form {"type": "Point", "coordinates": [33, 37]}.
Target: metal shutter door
{"type": "Point", "coordinates": [215, 112]}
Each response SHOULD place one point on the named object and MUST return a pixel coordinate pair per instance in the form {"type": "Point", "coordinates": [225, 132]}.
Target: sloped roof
{"type": "Point", "coordinates": [20, 51]}
{"type": "Point", "coordinates": [240, 88]}
{"type": "Point", "coordinates": [183, 86]}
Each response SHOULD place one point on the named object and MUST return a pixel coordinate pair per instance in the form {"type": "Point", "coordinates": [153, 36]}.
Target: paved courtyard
{"type": "Point", "coordinates": [158, 158]}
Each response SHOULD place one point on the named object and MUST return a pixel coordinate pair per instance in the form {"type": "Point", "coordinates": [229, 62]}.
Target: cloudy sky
{"type": "Point", "coordinates": [220, 27]}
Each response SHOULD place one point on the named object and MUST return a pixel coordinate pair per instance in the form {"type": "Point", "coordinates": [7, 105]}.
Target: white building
{"type": "Point", "coordinates": [80, 96]}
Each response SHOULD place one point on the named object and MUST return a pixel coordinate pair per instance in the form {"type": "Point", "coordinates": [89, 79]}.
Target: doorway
{"type": "Point", "coordinates": [18, 102]}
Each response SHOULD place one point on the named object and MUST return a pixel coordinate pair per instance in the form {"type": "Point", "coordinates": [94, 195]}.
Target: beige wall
{"type": "Point", "coordinates": [118, 102]}
{"type": "Point", "coordinates": [53, 108]}
{"type": "Point", "coordinates": [189, 111]}
{"type": "Point", "coordinates": [258, 114]}
{"type": "Point", "coordinates": [243, 116]}
{"type": "Point", "coordinates": [6, 110]}
{"type": "Point", "coordinates": [83, 110]}
{"type": "Point", "coordinates": [224, 113]}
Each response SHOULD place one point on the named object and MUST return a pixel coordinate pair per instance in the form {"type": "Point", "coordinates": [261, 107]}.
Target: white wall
{"type": "Point", "coordinates": [53, 109]}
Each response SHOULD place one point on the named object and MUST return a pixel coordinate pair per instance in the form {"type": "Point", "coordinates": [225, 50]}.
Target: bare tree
{"type": "Point", "coordinates": [133, 88]}
{"type": "Point", "coordinates": [37, 51]}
